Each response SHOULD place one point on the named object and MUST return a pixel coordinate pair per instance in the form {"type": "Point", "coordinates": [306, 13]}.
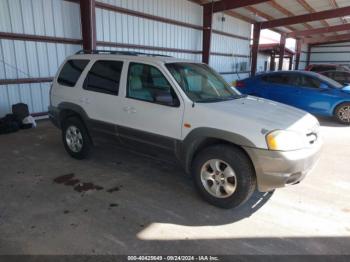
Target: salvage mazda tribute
{"type": "Point", "coordinates": [230, 143]}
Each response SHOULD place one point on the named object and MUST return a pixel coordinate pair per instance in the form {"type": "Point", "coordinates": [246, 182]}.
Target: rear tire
{"type": "Point", "coordinates": [224, 176]}
{"type": "Point", "coordinates": [75, 138]}
{"type": "Point", "coordinates": [342, 113]}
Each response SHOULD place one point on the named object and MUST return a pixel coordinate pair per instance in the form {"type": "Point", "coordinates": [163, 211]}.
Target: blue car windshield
{"type": "Point", "coordinates": [330, 81]}
{"type": "Point", "coordinates": [201, 83]}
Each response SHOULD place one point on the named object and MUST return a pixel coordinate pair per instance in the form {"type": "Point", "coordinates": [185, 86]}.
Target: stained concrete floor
{"type": "Point", "coordinates": [153, 208]}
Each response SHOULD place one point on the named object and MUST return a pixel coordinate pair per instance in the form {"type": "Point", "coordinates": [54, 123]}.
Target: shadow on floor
{"type": "Point", "coordinates": [330, 122]}
{"type": "Point", "coordinates": [167, 188]}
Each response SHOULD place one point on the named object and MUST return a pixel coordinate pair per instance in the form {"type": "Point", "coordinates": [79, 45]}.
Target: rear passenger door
{"type": "Point", "coordinates": [144, 120]}
{"type": "Point", "coordinates": [100, 97]}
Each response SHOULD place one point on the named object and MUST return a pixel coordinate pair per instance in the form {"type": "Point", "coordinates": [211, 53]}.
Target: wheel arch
{"type": "Point", "coordinates": [201, 138]}
{"type": "Point", "coordinates": [67, 110]}
{"type": "Point", "coordinates": [338, 104]}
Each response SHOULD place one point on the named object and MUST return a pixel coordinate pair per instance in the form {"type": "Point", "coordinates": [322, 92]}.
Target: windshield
{"type": "Point", "coordinates": [330, 81]}
{"type": "Point", "coordinates": [201, 83]}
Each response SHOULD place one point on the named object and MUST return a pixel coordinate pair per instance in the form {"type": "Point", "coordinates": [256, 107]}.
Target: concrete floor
{"type": "Point", "coordinates": [153, 208]}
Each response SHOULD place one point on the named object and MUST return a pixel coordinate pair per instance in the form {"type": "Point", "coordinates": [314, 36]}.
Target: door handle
{"type": "Point", "coordinates": [129, 109]}
{"type": "Point", "coordinates": [85, 100]}
{"type": "Point", "coordinates": [126, 108]}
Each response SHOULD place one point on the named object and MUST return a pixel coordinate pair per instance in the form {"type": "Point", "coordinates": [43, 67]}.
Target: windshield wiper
{"type": "Point", "coordinates": [220, 99]}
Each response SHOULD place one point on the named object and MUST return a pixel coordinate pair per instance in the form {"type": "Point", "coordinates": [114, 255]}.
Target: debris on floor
{"type": "Point", "coordinates": [19, 119]}
{"type": "Point", "coordinates": [83, 187]}
{"type": "Point", "coordinates": [70, 180]}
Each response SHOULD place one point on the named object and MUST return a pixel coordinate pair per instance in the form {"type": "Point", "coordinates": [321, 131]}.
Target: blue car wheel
{"type": "Point", "coordinates": [342, 113]}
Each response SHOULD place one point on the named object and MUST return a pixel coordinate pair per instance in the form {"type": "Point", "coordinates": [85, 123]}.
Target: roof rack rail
{"type": "Point", "coordinates": [115, 52]}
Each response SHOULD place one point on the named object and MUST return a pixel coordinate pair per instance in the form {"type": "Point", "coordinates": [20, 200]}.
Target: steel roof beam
{"type": "Point", "coordinates": [339, 12]}
{"type": "Point", "coordinates": [225, 5]}
{"type": "Point", "coordinates": [321, 30]}
{"type": "Point", "coordinates": [330, 39]}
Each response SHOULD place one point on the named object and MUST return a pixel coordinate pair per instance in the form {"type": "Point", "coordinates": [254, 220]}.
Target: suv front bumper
{"type": "Point", "coordinates": [278, 168]}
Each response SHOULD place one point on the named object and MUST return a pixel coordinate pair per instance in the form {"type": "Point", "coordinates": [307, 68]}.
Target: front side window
{"type": "Point", "coordinates": [330, 82]}
{"type": "Point", "coordinates": [104, 77]}
{"type": "Point", "coordinates": [71, 72]}
{"type": "Point", "coordinates": [146, 82]}
{"type": "Point", "coordinates": [307, 81]}
{"type": "Point", "coordinates": [201, 83]}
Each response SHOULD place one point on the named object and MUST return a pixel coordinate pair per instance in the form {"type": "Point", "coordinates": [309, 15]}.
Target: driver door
{"type": "Point", "coordinates": [311, 97]}
{"type": "Point", "coordinates": [145, 120]}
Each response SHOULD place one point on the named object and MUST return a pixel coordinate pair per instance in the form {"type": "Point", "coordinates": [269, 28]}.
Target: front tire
{"type": "Point", "coordinates": [75, 138]}
{"type": "Point", "coordinates": [224, 176]}
{"type": "Point", "coordinates": [342, 113]}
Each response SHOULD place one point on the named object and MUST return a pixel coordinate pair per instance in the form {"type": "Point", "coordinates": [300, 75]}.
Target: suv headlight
{"type": "Point", "coordinates": [284, 140]}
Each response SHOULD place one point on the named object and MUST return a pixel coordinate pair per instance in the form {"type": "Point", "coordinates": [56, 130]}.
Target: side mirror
{"type": "Point", "coordinates": [324, 86]}
{"type": "Point", "coordinates": [166, 99]}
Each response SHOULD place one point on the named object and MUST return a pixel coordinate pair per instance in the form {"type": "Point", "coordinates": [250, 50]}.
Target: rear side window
{"type": "Point", "coordinates": [104, 77]}
{"type": "Point", "coordinates": [276, 79]}
{"type": "Point", "coordinates": [71, 72]}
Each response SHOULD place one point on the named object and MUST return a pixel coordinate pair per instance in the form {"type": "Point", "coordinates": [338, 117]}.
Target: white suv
{"type": "Point", "coordinates": [229, 142]}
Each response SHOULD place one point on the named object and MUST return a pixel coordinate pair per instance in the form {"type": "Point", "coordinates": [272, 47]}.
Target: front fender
{"type": "Point", "coordinates": [199, 136]}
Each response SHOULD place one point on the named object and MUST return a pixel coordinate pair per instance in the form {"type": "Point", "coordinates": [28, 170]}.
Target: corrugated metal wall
{"type": "Point", "coordinates": [59, 18]}
{"type": "Point", "coordinates": [303, 57]}
{"type": "Point", "coordinates": [27, 59]}
{"type": "Point", "coordinates": [331, 53]}
{"type": "Point", "coordinates": [229, 45]}
{"type": "Point", "coordinates": [127, 29]}
{"type": "Point", "coordinates": [141, 31]}
{"type": "Point", "coordinates": [262, 59]}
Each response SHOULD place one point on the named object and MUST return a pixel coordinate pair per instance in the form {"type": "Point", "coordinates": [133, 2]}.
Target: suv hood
{"type": "Point", "coordinates": [266, 114]}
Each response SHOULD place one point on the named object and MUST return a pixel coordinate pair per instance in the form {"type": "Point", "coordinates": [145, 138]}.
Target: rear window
{"type": "Point", "coordinates": [71, 72]}
{"type": "Point", "coordinates": [104, 77]}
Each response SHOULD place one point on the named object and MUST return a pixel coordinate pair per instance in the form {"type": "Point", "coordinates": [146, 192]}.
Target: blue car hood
{"type": "Point", "coordinates": [346, 89]}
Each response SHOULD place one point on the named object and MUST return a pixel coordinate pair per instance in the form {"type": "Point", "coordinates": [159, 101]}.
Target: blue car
{"type": "Point", "coordinates": [309, 91]}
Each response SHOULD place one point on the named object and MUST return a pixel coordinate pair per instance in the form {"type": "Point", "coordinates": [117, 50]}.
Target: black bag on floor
{"type": "Point", "coordinates": [9, 124]}
{"type": "Point", "coordinates": [20, 110]}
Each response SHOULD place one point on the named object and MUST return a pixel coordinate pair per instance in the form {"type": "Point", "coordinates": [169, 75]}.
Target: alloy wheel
{"type": "Point", "coordinates": [218, 178]}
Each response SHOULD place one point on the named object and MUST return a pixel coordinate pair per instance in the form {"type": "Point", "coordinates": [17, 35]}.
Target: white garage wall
{"type": "Point", "coordinates": [238, 48]}
{"type": "Point", "coordinates": [27, 59]}
{"type": "Point", "coordinates": [303, 57]}
{"type": "Point", "coordinates": [331, 53]}
{"type": "Point", "coordinates": [122, 28]}
{"type": "Point", "coordinates": [142, 31]}
{"type": "Point", "coordinates": [262, 58]}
